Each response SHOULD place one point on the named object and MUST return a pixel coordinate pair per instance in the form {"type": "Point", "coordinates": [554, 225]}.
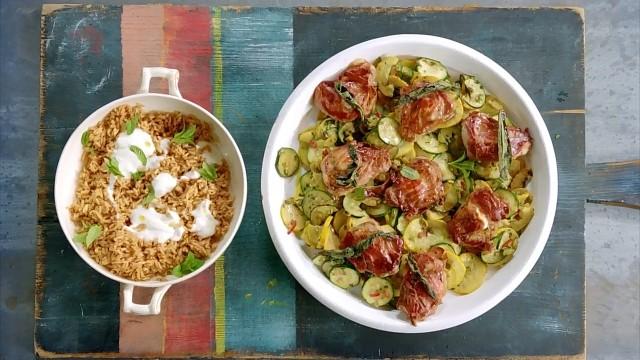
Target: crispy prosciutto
{"type": "Point", "coordinates": [425, 113]}
{"type": "Point", "coordinates": [480, 138]}
{"type": "Point", "coordinates": [416, 196]}
{"type": "Point", "coordinates": [351, 165]}
{"type": "Point", "coordinates": [376, 252]}
{"type": "Point", "coordinates": [424, 285]}
{"type": "Point", "coordinates": [359, 82]}
{"type": "Point", "coordinates": [474, 222]}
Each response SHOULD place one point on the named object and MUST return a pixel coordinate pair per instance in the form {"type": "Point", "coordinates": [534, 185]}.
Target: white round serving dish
{"type": "Point", "coordinates": [298, 113]}
{"type": "Point", "coordinates": [70, 164]}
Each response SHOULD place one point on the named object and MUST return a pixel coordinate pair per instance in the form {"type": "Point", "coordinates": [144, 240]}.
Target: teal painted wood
{"type": "Point", "coordinates": [78, 308]}
{"type": "Point", "coordinates": [545, 315]}
{"type": "Point", "coordinates": [257, 55]}
{"type": "Point", "coordinates": [615, 183]}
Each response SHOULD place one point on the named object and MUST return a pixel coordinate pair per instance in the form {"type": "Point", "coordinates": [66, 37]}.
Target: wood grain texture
{"type": "Point", "coordinates": [615, 183]}
{"type": "Point", "coordinates": [546, 312]}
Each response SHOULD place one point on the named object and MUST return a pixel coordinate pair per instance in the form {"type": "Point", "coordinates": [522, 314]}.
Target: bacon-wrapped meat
{"type": "Point", "coordinates": [424, 114]}
{"type": "Point", "coordinates": [480, 138]}
{"type": "Point", "coordinates": [424, 285]}
{"type": "Point", "coordinates": [359, 83]}
{"type": "Point", "coordinates": [416, 196]}
{"type": "Point", "coordinates": [474, 222]}
{"type": "Point", "coordinates": [351, 165]}
{"type": "Point", "coordinates": [377, 253]}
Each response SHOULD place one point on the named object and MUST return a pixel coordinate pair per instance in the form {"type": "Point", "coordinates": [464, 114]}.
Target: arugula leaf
{"type": "Point", "coordinates": [88, 237]}
{"type": "Point", "coordinates": [132, 124]}
{"type": "Point", "coordinates": [137, 175]}
{"type": "Point", "coordinates": [504, 152]}
{"type": "Point", "coordinates": [188, 265]}
{"type": "Point", "coordinates": [348, 98]}
{"type": "Point", "coordinates": [422, 91]}
{"type": "Point", "coordinates": [139, 153]}
{"type": "Point", "coordinates": [112, 167]}
{"type": "Point", "coordinates": [185, 136]}
{"type": "Point", "coordinates": [209, 171]}
{"type": "Point", "coordinates": [409, 172]}
{"type": "Point", "coordinates": [149, 197]}
{"type": "Point", "coordinates": [359, 194]}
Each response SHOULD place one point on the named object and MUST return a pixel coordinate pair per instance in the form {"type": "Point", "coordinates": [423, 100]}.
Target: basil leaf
{"type": "Point", "coordinates": [80, 237]}
{"type": "Point", "coordinates": [139, 153]}
{"type": "Point", "coordinates": [409, 172]}
{"type": "Point", "coordinates": [209, 171]}
{"type": "Point", "coordinates": [348, 98]}
{"type": "Point", "coordinates": [112, 167]}
{"type": "Point", "coordinates": [132, 124]}
{"type": "Point", "coordinates": [422, 91]}
{"type": "Point", "coordinates": [88, 237]}
{"type": "Point", "coordinates": [185, 136]}
{"type": "Point", "coordinates": [504, 153]}
{"type": "Point", "coordinates": [85, 138]}
{"type": "Point", "coordinates": [137, 175]}
{"type": "Point", "coordinates": [149, 197]}
{"type": "Point", "coordinates": [359, 194]}
{"type": "Point", "coordinates": [188, 265]}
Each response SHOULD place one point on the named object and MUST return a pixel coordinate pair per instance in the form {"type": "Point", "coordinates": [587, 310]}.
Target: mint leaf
{"type": "Point", "coordinates": [88, 237]}
{"type": "Point", "coordinates": [132, 124]}
{"type": "Point", "coordinates": [188, 265]}
{"type": "Point", "coordinates": [149, 197]}
{"type": "Point", "coordinates": [209, 171]}
{"type": "Point", "coordinates": [409, 172]}
{"type": "Point", "coordinates": [85, 138]}
{"type": "Point", "coordinates": [185, 136]}
{"type": "Point", "coordinates": [112, 167]}
{"type": "Point", "coordinates": [137, 175]}
{"type": "Point", "coordinates": [139, 153]}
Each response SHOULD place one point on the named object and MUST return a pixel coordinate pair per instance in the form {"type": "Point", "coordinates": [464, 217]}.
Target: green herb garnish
{"type": "Point", "coordinates": [112, 167]}
{"type": "Point", "coordinates": [504, 152]}
{"type": "Point", "coordinates": [137, 175]}
{"type": "Point", "coordinates": [188, 265]}
{"type": "Point", "coordinates": [132, 124]}
{"type": "Point", "coordinates": [139, 153]}
{"type": "Point", "coordinates": [358, 194]}
{"type": "Point", "coordinates": [85, 139]}
{"type": "Point", "coordinates": [149, 197]}
{"type": "Point", "coordinates": [88, 237]}
{"type": "Point", "coordinates": [409, 172]}
{"type": "Point", "coordinates": [185, 136]}
{"type": "Point", "coordinates": [348, 98]}
{"type": "Point", "coordinates": [351, 177]}
{"type": "Point", "coordinates": [422, 91]}
{"type": "Point", "coordinates": [209, 171]}
{"type": "Point", "coordinates": [465, 167]}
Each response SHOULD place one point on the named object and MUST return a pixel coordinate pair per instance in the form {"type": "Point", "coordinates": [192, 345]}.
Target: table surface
{"type": "Point", "coordinates": [611, 233]}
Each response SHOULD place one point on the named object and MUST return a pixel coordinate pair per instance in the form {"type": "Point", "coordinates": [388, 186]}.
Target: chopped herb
{"type": "Point", "coordinates": [132, 124]}
{"type": "Point", "coordinates": [185, 136]}
{"type": "Point", "coordinates": [413, 265]}
{"type": "Point", "coordinates": [409, 172]}
{"type": "Point", "coordinates": [112, 167]}
{"type": "Point", "coordinates": [422, 91]}
{"type": "Point", "coordinates": [465, 167]}
{"type": "Point", "coordinates": [88, 237]}
{"type": "Point", "coordinates": [139, 153]}
{"type": "Point", "coordinates": [149, 197]}
{"type": "Point", "coordinates": [137, 175]}
{"type": "Point", "coordinates": [209, 171]}
{"type": "Point", "coordinates": [359, 194]}
{"type": "Point", "coordinates": [188, 265]}
{"type": "Point", "coordinates": [348, 98]}
{"type": "Point", "coordinates": [504, 152]}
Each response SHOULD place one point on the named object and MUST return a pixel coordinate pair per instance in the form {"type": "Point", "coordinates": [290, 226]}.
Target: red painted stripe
{"type": "Point", "coordinates": [187, 47]}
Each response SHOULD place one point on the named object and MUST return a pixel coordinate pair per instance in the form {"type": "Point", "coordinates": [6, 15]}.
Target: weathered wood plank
{"type": "Point", "coordinates": [616, 183]}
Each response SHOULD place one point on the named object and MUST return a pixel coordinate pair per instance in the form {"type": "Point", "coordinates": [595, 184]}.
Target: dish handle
{"type": "Point", "coordinates": [172, 76]}
{"type": "Point", "coordinates": [152, 308]}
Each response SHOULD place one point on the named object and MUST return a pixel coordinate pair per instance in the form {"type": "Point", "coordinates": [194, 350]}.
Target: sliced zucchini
{"type": "Point", "coordinates": [387, 229]}
{"type": "Point", "coordinates": [328, 238]}
{"type": "Point", "coordinates": [492, 106]}
{"type": "Point", "coordinates": [371, 201]}
{"type": "Point", "coordinates": [377, 291]}
{"type": "Point", "coordinates": [311, 234]}
{"type": "Point", "coordinates": [431, 68]}
{"type": "Point", "coordinates": [455, 268]}
{"type": "Point", "coordinates": [405, 71]}
{"type": "Point", "coordinates": [345, 131]}
{"type": "Point", "coordinates": [379, 210]}
{"type": "Point", "coordinates": [315, 155]}
{"type": "Point", "coordinates": [443, 162]}
{"type": "Point", "coordinates": [306, 136]}
{"type": "Point", "coordinates": [303, 155]}
{"type": "Point", "coordinates": [373, 138]}
{"type": "Point", "coordinates": [287, 162]}
{"type": "Point", "coordinates": [523, 195]}
{"type": "Point", "coordinates": [352, 206]}
{"type": "Point", "coordinates": [340, 219]}
{"type": "Point", "coordinates": [505, 244]}
{"type": "Point", "coordinates": [522, 218]}
{"type": "Point", "coordinates": [416, 236]}
{"type": "Point", "coordinates": [406, 152]}
{"type": "Point", "coordinates": [475, 272]}
{"type": "Point", "coordinates": [473, 93]}
{"type": "Point", "coordinates": [402, 223]}
{"type": "Point", "coordinates": [344, 277]}
{"type": "Point", "coordinates": [320, 213]}
{"type": "Point", "coordinates": [319, 260]}
{"type": "Point", "coordinates": [488, 171]}
{"type": "Point", "coordinates": [315, 198]}
{"type": "Point", "coordinates": [458, 111]}
{"type": "Point", "coordinates": [311, 180]}
{"type": "Point", "coordinates": [450, 198]}
{"type": "Point", "coordinates": [292, 217]}
{"type": "Point", "coordinates": [430, 144]}
{"type": "Point", "coordinates": [509, 198]}
{"type": "Point", "coordinates": [388, 131]}
{"type": "Point", "coordinates": [434, 215]}
{"type": "Point", "coordinates": [383, 69]}
{"type": "Point", "coordinates": [330, 264]}
{"type": "Point", "coordinates": [392, 216]}
{"type": "Point", "coordinates": [397, 82]}
{"type": "Point", "coordinates": [357, 221]}
{"type": "Point", "coordinates": [326, 133]}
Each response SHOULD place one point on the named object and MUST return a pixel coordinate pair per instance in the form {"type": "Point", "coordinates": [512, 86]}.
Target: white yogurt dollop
{"type": "Point", "coordinates": [204, 224]}
{"type": "Point", "coordinates": [190, 175]}
{"type": "Point", "coordinates": [128, 161]}
{"type": "Point", "coordinates": [207, 152]}
{"type": "Point", "coordinates": [164, 146]}
{"type": "Point", "coordinates": [163, 183]}
{"type": "Point", "coordinates": [150, 225]}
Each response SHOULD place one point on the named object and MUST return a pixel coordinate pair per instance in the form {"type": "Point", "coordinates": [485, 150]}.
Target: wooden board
{"type": "Point", "coordinates": [242, 63]}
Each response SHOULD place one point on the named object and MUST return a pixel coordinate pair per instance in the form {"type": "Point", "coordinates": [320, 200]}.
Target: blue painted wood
{"type": "Point", "coordinates": [257, 50]}
{"type": "Point", "coordinates": [77, 308]}
{"type": "Point", "coordinates": [545, 315]}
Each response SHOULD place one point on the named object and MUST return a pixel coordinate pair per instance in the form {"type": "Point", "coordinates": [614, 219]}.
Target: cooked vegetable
{"type": "Point", "coordinates": [344, 277]}
{"type": "Point", "coordinates": [315, 198]}
{"type": "Point", "coordinates": [504, 152]}
{"type": "Point", "coordinates": [292, 217]}
{"type": "Point", "coordinates": [185, 136]}
{"type": "Point", "coordinates": [132, 124]}
{"type": "Point", "coordinates": [352, 206]}
{"type": "Point", "coordinates": [510, 199]}
{"type": "Point", "coordinates": [287, 162]}
{"type": "Point", "coordinates": [472, 91]}
{"type": "Point", "coordinates": [88, 237]}
{"type": "Point", "coordinates": [432, 69]}
{"type": "Point", "coordinates": [475, 271]}
{"type": "Point", "coordinates": [112, 167]}
{"type": "Point", "coordinates": [429, 143]}
{"type": "Point", "coordinates": [388, 131]}
{"type": "Point", "coordinates": [377, 291]}
{"type": "Point", "coordinates": [209, 171]}
{"type": "Point", "coordinates": [187, 266]}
